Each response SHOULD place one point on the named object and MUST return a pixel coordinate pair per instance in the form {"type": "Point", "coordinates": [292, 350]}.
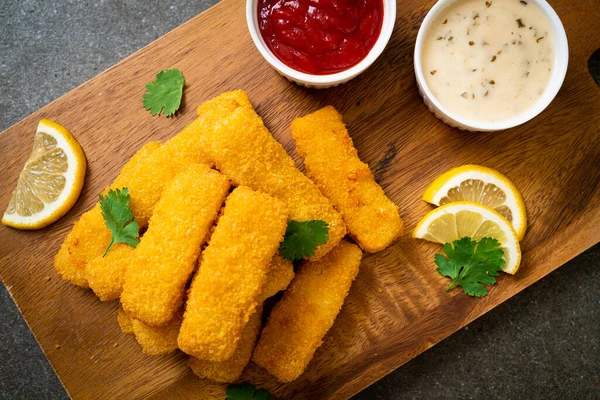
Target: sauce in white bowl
{"type": "Point", "coordinates": [490, 65]}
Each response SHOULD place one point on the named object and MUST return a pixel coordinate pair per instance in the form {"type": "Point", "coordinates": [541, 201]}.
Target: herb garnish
{"type": "Point", "coordinates": [302, 238]}
{"type": "Point", "coordinates": [118, 217]}
{"type": "Point", "coordinates": [164, 93]}
{"type": "Point", "coordinates": [246, 391]}
{"type": "Point", "coordinates": [471, 264]}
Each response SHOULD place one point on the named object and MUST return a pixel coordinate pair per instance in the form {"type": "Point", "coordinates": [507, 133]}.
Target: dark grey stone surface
{"type": "Point", "coordinates": [541, 344]}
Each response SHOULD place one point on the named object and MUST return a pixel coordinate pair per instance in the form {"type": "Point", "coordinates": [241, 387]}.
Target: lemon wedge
{"type": "Point", "coordinates": [51, 180]}
{"type": "Point", "coordinates": [481, 185]}
{"type": "Point", "coordinates": [454, 221]}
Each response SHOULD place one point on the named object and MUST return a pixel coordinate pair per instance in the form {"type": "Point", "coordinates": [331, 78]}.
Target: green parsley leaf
{"type": "Point", "coordinates": [246, 391]}
{"type": "Point", "coordinates": [471, 264]}
{"type": "Point", "coordinates": [164, 93]}
{"type": "Point", "coordinates": [302, 238]}
{"type": "Point", "coordinates": [118, 217]}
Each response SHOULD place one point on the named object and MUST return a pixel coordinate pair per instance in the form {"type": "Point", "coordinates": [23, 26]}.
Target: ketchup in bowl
{"type": "Point", "coordinates": [320, 37]}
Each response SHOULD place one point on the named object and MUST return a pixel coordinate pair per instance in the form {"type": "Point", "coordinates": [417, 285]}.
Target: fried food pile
{"type": "Point", "coordinates": [214, 202]}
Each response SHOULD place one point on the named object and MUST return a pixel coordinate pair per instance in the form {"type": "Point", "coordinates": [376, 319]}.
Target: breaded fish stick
{"type": "Point", "coordinates": [163, 339]}
{"type": "Point", "coordinates": [157, 340]}
{"type": "Point", "coordinates": [234, 267]}
{"type": "Point", "coordinates": [162, 263]}
{"type": "Point", "coordinates": [90, 237]}
{"type": "Point", "coordinates": [231, 369]}
{"type": "Point", "coordinates": [176, 154]}
{"type": "Point", "coordinates": [332, 162]}
{"type": "Point", "coordinates": [244, 150]}
{"type": "Point", "coordinates": [280, 275]}
{"type": "Point", "coordinates": [124, 321]}
{"type": "Point", "coordinates": [307, 310]}
{"type": "Point", "coordinates": [145, 175]}
{"type": "Point", "coordinates": [225, 103]}
{"type": "Point", "coordinates": [105, 273]}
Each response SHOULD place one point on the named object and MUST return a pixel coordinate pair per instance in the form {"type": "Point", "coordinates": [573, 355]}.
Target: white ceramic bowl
{"type": "Point", "coordinates": [561, 60]}
{"type": "Point", "coordinates": [321, 81]}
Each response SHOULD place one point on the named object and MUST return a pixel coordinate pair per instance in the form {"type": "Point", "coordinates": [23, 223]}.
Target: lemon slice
{"type": "Point", "coordinates": [481, 185]}
{"type": "Point", "coordinates": [466, 218]}
{"type": "Point", "coordinates": [51, 180]}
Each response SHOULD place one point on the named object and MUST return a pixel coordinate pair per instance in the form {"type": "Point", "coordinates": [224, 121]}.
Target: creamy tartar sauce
{"type": "Point", "coordinates": [489, 60]}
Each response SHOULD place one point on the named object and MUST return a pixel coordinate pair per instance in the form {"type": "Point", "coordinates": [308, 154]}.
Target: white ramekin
{"type": "Point", "coordinates": [321, 81]}
{"type": "Point", "coordinates": [561, 60]}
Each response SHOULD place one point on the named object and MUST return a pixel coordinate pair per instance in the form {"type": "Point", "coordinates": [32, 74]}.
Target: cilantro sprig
{"type": "Point", "coordinates": [302, 238]}
{"type": "Point", "coordinates": [246, 391]}
{"type": "Point", "coordinates": [118, 217]}
{"type": "Point", "coordinates": [164, 93]}
{"type": "Point", "coordinates": [471, 264]}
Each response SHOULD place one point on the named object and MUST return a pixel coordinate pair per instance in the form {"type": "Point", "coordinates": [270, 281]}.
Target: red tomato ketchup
{"type": "Point", "coordinates": [320, 37]}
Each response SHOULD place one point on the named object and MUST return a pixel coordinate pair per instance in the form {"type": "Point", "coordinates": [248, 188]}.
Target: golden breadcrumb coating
{"type": "Point", "coordinates": [233, 270]}
{"type": "Point", "coordinates": [281, 273]}
{"type": "Point", "coordinates": [124, 320]}
{"type": "Point", "coordinates": [105, 274]}
{"type": "Point", "coordinates": [162, 263]}
{"type": "Point", "coordinates": [90, 237]}
{"type": "Point", "coordinates": [226, 103]}
{"type": "Point", "coordinates": [307, 310]}
{"type": "Point", "coordinates": [163, 339]}
{"type": "Point", "coordinates": [145, 175]}
{"type": "Point", "coordinates": [177, 153]}
{"type": "Point", "coordinates": [147, 184]}
{"type": "Point", "coordinates": [332, 162]}
{"type": "Point", "coordinates": [158, 340]}
{"type": "Point", "coordinates": [182, 150]}
{"type": "Point", "coordinates": [244, 150]}
{"type": "Point", "coordinates": [154, 340]}
{"type": "Point", "coordinates": [230, 370]}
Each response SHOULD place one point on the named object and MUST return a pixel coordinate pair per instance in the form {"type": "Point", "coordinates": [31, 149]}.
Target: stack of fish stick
{"type": "Point", "coordinates": [213, 204]}
{"type": "Point", "coordinates": [145, 175]}
{"type": "Point", "coordinates": [243, 149]}
{"type": "Point", "coordinates": [90, 237]}
{"type": "Point", "coordinates": [233, 271]}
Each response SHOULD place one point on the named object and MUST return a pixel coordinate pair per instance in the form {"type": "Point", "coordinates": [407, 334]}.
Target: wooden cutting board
{"type": "Point", "coordinates": [397, 307]}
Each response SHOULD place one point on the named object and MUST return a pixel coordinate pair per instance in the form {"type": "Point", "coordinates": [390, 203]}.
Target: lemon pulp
{"type": "Point", "coordinates": [51, 180]}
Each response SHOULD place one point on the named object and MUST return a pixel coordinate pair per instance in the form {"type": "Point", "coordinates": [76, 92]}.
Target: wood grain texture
{"type": "Point", "coordinates": [397, 307]}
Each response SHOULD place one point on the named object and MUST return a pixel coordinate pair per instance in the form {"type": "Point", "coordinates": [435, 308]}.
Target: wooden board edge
{"type": "Point", "coordinates": [136, 53]}
{"type": "Point", "coordinates": [36, 339]}
{"type": "Point", "coordinates": [590, 235]}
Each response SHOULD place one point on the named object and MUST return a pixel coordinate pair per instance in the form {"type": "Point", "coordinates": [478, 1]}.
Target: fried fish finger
{"type": "Point", "coordinates": [157, 340]}
{"type": "Point", "coordinates": [90, 237]}
{"type": "Point", "coordinates": [105, 273]}
{"type": "Point", "coordinates": [230, 370]}
{"type": "Point", "coordinates": [244, 150]}
{"type": "Point", "coordinates": [163, 339]}
{"type": "Point", "coordinates": [332, 162]}
{"type": "Point", "coordinates": [124, 321]}
{"type": "Point", "coordinates": [305, 313]}
{"type": "Point", "coordinates": [234, 267]}
{"type": "Point", "coordinates": [280, 275]}
{"type": "Point", "coordinates": [162, 263]}
{"type": "Point", "coordinates": [145, 175]}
